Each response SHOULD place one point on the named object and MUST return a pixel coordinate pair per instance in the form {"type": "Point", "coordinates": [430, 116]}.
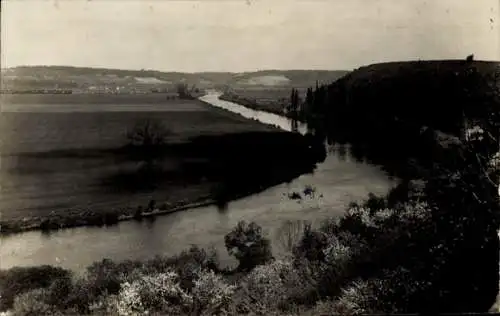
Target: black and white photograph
{"type": "Point", "coordinates": [249, 157]}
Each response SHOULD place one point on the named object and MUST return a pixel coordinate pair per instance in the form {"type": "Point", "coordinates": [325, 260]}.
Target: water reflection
{"type": "Point", "coordinates": [341, 152]}
{"type": "Point", "coordinates": [357, 153]}
{"type": "Point", "coordinates": [223, 206]}
{"type": "Point", "coordinates": [46, 234]}
{"type": "Point", "coordinates": [150, 221]}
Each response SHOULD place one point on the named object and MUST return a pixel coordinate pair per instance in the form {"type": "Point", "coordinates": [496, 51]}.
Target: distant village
{"type": "Point", "coordinates": [42, 83]}
{"type": "Point", "coordinates": [92, 89]}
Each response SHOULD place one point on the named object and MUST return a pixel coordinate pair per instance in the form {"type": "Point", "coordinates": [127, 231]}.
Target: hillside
{"type": "Point", "coordinates": [411, 118]}
{"type": "Point", "coordinates": [432, 93]}
{"type": "Point", "coordinates": [297, 78]}
{"type": "Point", "coordinates": [65, 77]}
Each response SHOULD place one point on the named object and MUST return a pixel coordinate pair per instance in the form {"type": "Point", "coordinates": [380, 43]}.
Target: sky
{"type": "Point", "coordinates": [233, 35]}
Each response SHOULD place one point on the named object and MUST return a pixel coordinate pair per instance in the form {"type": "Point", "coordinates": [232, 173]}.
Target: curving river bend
{"type": "Point", "coordinates": [338, 181]}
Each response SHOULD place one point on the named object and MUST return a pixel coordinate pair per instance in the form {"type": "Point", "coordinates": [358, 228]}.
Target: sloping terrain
{"type": "Point", "coordinates": [431, 93]}
{"type": "Point", "coordinates": [48, 77]}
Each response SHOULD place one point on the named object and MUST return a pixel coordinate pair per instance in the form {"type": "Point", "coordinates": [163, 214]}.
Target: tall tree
{"type": "Point", "coordinates": [294, 103]}
{"type": "Point", "coordinates": [309, 98]}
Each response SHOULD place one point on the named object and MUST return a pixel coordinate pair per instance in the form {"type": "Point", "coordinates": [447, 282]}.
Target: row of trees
{"type": "Point", "coordinates": [310, 109]}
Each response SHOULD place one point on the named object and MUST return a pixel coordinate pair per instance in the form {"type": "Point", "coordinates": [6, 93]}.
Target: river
{"type": "Point", "coordinates": [338, 180]}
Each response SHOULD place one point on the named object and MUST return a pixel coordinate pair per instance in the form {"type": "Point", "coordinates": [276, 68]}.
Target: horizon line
{"type": "Point", "coordinates": [222, 71]}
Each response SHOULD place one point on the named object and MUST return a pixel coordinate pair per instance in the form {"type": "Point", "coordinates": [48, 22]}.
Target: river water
{"type": "Point", "coordinates": [338, 180]}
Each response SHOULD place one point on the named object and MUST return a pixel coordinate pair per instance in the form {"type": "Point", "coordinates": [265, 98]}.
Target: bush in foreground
{"type": "Point", "coordinates": [19, 280]}
{"type": "Point", "coordinates": [248, 245]}
{"type": "Point", "coordinates": [212, 295]}
{"type": "Point", "coordinates": [34, 303]}
{"type": "Point", "coordinates": [160, 293]}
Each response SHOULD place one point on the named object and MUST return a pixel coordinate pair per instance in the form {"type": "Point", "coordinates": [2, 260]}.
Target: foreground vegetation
{"type": "Point", "coordinates": [382, 256]}
{"type": "Point", "coordinates": [321, 273]}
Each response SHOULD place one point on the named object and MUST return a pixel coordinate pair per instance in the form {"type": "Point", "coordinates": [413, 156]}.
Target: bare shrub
{"type": "Point", "coordinates": [290, 233]}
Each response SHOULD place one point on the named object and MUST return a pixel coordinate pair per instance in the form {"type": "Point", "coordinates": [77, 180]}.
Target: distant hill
{"type": "Point", "coordinates": [66, 77]}
{"type": "Point", "coordinates": [296, 78]}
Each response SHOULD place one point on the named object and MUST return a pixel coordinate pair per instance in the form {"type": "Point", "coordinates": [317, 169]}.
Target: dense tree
{"type": "Point", "coordinates": [309, 98]}
{"type": "Point", "coordinates": [183, 91]}
{"type": "Point", "coordinates": [248, 245]}
{"type": "Point", "coordinates": [294, 108]}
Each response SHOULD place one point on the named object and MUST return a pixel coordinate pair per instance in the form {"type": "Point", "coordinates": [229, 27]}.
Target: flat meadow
{"type": "Point", "coordinates": [57, 150]}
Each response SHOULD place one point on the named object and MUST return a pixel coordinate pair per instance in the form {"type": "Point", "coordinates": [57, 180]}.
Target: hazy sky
{"type": "Point", "coordinates": [232, 35]}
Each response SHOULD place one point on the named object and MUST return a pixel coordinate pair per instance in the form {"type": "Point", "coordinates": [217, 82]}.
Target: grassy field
{"type": "Point", "coordinates": [86, 99]}
{"type": "Point", "coordinates": [57, 158]}
{"type": "Point", "coordinates": [37, 127]}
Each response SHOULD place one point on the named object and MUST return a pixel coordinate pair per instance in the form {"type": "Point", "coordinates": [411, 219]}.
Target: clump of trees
{"type": "Point", "coordinates": [182, 90]}
{"type": "Point", "coordinates": [185, 92]}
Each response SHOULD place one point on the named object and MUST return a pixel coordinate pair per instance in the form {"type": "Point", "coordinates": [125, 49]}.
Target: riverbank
{"type": "Point", "coordinates": [208, 170]}
{"type": "Point", "coordinates": [275, 108]}
{"type": "Point", "coordinates": [91, 218]}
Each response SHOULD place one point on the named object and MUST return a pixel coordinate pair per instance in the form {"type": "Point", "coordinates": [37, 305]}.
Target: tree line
{"type": "Point", "coordinates": [413, 119]}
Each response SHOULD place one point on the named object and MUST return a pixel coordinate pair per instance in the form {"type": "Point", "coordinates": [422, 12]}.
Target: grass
{"type": "Point", "coordinates": [169, 99]}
